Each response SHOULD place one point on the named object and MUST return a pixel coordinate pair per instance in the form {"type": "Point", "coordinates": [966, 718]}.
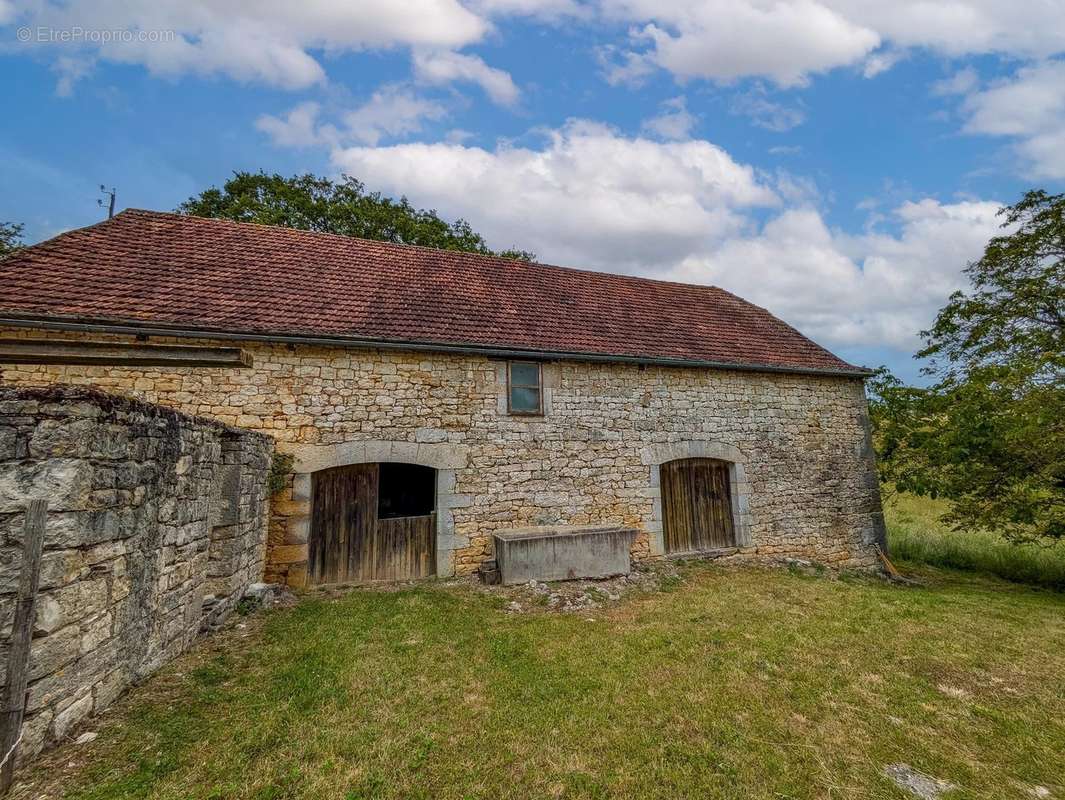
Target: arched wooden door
{"type": "Point", "coordinates": [372, 522]}
{"type": "Point", "coordinates": [696, 505]}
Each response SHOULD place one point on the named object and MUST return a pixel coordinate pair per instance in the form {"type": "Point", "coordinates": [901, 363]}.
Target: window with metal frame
{"type": "Point", "coordinates": [525, 393]}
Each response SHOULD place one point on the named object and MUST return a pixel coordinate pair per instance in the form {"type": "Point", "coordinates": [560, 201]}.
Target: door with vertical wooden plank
{"type": "Point", "coordinates": [350, 541]}
{"type": "Point", "coordinates": [406, 548]}
{"type": "Point", "coordinates": [696, 505]}
{"type": "Point", "coordinates": [343, 522]}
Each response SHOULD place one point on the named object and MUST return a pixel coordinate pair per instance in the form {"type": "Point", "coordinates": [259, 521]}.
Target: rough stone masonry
{"type": "Point", "coordinates": [801, 465]}
{"type": "Point", "coordinates": [156, 525]}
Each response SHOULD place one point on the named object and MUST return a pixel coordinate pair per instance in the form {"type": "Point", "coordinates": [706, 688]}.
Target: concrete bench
{"type": "Point", "coordinates": [563, 552]}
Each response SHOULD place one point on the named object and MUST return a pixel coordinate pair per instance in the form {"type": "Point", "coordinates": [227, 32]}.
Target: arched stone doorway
{"type": "Point", "coordinates": [443, 458]}
{"type": "Point", "coordinates": [372, 522]}
{"type": "Point", "coordinates": [696, 506]}
{"type": "Point", "coordinates": [728, 461]}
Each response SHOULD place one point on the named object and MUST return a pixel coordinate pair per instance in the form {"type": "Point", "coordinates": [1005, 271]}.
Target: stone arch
{"type": "Point", "coordinates": [654, 456]}
{"type": "Point", "coordinates": [444, 457]}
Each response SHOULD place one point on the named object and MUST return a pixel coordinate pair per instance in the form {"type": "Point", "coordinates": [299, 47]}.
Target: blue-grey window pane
{"type": "Point", "coordinates": [525, 374]}
{"type": "Point", "coordinates": [524, 400]}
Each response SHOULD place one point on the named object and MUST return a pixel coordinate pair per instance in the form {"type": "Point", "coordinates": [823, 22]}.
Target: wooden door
{"type": "Point", "coordinates": [343, 522]}
{"type": "Point", "coordinates": [405, 548]}
{"type": "Point", "coordinates": [348, 543]}
{"type": "Point", "coordinates": [696, 505]}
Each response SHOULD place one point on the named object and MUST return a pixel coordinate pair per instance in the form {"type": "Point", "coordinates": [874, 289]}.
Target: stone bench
{"type": "Point", "coordinates": [562, 552]}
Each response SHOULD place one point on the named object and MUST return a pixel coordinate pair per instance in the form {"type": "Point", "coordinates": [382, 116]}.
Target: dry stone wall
{"type": "Point", "coordinates": [156, 524]}
{"type": "Point", "coordinates": [804, 483]}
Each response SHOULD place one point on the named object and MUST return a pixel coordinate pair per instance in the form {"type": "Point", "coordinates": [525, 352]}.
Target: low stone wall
{"type": "Point", "coordinates": [157, 523]}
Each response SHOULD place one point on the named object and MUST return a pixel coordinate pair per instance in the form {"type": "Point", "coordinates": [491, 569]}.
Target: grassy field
{"type": "Point", "coordinates": [731, 683]}
{"type": "Point", "coordinates": [916, 535]}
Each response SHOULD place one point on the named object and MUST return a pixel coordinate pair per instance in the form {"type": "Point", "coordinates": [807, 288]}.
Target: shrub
{"type": "Point", "coordinates": [280, 467]}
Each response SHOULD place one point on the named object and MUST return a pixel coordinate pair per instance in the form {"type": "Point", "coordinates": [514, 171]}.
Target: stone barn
{"type": "Point", "coordinates": [430, 399]}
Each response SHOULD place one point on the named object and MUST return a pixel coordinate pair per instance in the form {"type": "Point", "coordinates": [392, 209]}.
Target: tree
{"type": "Point", "coordinates": [990, 433]}
{"type": "Point", "coordinates": [10, 238]}
{"type": "Point", "coordinates": [313, 203]}
{"type": "Point", "coordinates": [1015, 314]}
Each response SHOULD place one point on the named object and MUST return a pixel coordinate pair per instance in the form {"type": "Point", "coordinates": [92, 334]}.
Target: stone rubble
{"type": "Point", "coordinates": [565, 597]}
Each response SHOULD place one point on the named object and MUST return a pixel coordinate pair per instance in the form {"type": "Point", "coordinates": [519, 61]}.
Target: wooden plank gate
{"type": "Point", "coordinates": [18, 658]}
{"type": "Point", "coordinates": [696, 505]}
{"type": "Point", "coordinates": [348, 543]}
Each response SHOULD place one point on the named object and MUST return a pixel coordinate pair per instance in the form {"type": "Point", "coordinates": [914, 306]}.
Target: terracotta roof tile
{"type": "Point", "coordinates": [155, 269]}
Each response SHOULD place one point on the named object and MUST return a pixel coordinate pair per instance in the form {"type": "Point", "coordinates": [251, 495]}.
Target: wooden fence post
{"type": "Point", "coordinates": [18, 659]}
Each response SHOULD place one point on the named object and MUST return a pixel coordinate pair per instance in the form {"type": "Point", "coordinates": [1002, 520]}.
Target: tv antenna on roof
{"type": "Point", "coordinates": [111, 200]}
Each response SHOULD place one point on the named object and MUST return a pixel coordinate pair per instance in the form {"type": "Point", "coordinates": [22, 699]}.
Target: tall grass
{"type": "Point", "coordinates": [916, 534]}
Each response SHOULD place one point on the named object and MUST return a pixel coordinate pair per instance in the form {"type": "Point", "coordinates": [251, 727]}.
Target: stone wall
{"type": "Point", "coordinates": [156, 524]}
{"type": "Point", "coordinates": [802, 469]}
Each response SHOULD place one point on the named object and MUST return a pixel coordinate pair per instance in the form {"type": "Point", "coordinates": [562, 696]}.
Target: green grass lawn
{"type": "Point", "coordinates": [915, 534]}
{"type": "Point", "coordinates": [733, 683]}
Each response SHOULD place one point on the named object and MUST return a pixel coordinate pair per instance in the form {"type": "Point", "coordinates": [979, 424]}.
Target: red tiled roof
{"type": "Point", "coordinates": [156, 270]}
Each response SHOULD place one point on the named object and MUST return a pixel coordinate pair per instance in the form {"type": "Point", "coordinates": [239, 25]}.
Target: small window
{"type": "Point", "coordinates": [524, 388]}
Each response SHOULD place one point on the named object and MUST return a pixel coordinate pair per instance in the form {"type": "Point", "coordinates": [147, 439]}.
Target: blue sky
{"type": "Point", "coordinates": [836, 161]}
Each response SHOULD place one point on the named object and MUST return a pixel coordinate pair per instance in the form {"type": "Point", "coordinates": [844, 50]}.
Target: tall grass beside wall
{"type": "Point", "coordinates": [916, 534]}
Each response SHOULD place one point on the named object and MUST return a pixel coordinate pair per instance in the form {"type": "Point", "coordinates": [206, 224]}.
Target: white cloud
{"type": "Point", "coordinates": [393, 111]}
{"type": "Point", "coordinates": [787, 41]}
{"type": "Point", "coordinates": [590, 196]}
{"type": "Point", "coordinates": [594, 198]}
{"type": "Point", "coordinates": [766, 113]}
{"type": "Point", "coordinates": [675, 122]}
{"type": "Point", "coordinates": [70, 70]}
{"type": "Point", "coordinates": [963, 27]}
{"type": "Point", "coordinates": [443, 67]}
{"type": "Point", "coordinates": [1032, 100]}
{"type": "Point", "coordinates": [725, 40]}
{"type": "Point", "coordinates": [1045, 154]}
{"type": "Point", "coordinates": [1030, 108]}
{"type": "Point", "coordinates": [873, 289]}
{"type": "Point", "coordinates": [881, 61]}
{"type": "Point", "coordinates": [266, 41]}
{"type": "Point", "coordinates": [458, 135]}
{"type": "Point", "coordinates": [795, 190]}
{"type": "Point", "coordinates": [298, 128]}
{"type": "Point", "coordinates": [961, 82]}
{"type": "Point", "coordinates": [623, 68]}
{"type": "Point", "coordinates": [543, 9]}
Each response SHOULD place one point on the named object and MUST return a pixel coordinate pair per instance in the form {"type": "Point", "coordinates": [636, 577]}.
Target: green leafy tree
{"type": "Point", "coordinates": [313, 203]}
{"type": "Point", "coordinates": [990, 433]}
{"type": "Point", "coordinates": [1014, 316]}
{"type": "Point", "coordinates": [10, 238]}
